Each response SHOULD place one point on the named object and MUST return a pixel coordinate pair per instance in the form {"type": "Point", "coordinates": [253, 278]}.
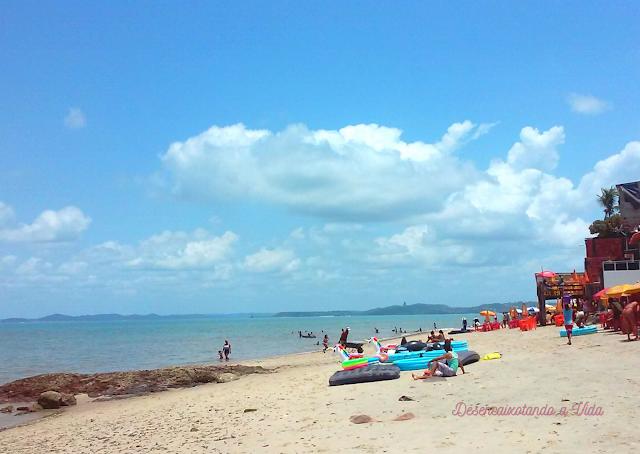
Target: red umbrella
{"type": "Point", "coordinates": [635, 238]}
{"type": "Point", "coordinates": [546, 274]}
{"type": "Point", "coordinates": [600, 293]}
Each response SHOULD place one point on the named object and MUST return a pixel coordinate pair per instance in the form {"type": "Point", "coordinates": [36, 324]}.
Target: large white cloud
{"type": "Point", "coordinates": [181, 250]}
{"type": "Point", "coordinates": [51, 226]}
{"type": "Point", "coordinates": [357, 172]}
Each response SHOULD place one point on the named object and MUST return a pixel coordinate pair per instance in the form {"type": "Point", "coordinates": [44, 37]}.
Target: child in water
{"type": "Point", "coordinates": [220, 353]}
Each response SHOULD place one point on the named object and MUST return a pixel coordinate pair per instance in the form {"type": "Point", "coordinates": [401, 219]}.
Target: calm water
{"type": "Point", "coordinates": [28, 349]}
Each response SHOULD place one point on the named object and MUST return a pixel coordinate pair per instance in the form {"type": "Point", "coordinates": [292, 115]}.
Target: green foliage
{"type": "Point", "coordinates": [611, 227]}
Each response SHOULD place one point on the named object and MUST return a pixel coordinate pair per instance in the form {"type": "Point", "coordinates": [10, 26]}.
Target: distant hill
{"type": "Point", "coordinates": [119, 317]}
{"type": "Point", "coordinates": [412, 309]}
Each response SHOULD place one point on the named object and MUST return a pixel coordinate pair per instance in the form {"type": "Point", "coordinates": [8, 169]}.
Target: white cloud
{"type": "Point", "coordinates": [51, 226]}
{"type": "Point", "coordinates": [267, 260]}
{"type": "Point", "coordinates": [181, 250]}
{"type": "Point", "coordinates": [535, 150]}
{"type": "Point", "coordinates": [335, 174]}
{"type": "Point", "coordinates": [297, 234]}
{"type": "Point", "coordinates": [7, 215]}
{"type": "Point", "coordinates": [587, 104]}
{"type": "Point", "coordinates": [32, 266]}
{"type": "Point", "coordinates": [72, 268]}
{"type": "Point", "coordinates": [7, 261]}
{"type": "Point", "coordinates": [74, 119]}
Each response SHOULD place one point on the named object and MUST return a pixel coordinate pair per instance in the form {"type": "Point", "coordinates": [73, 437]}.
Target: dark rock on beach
{"type": "Point", "coordinates": [7, 409]}
{"type": "Point", "coordinates": [135, 382]}
{"type": "Point", "coordinates": [52, 400]}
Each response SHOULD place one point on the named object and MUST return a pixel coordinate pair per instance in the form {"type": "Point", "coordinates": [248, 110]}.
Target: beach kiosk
{"type": "Point", "coordinates": [553, 286]}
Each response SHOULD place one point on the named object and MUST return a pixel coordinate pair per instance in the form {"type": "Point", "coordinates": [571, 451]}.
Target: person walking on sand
{"type": "Point", "coordinates": [629, 319]}
{"type": "Point", "coordinates": [567, 312]}
{"type": "Point", "coordinates": [325, 343]}
{"type": "Point", "coordinates": [226, 349]}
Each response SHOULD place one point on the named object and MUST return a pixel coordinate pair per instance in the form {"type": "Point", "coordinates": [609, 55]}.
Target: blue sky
{"type": "Point", "coordinates": [215, 157]}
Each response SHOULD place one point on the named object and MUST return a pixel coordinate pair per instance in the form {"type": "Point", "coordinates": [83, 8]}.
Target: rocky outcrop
{"type": "Point", "coordinates": [53, 399]}
{"type": "Point", "coordinates": [121, 383]}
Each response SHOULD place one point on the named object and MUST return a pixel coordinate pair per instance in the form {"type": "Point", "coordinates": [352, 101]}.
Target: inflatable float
{"type": "Point", "coordinates": [349, 362]}
{"type": "Point", "coordinates": [460, 331]}
{"type": "Point", "coordinates": [365, 375]}
{"type": "Point", "coordinates": [466, 357]}
{"type": "Point", "coordinates": [580, 331]}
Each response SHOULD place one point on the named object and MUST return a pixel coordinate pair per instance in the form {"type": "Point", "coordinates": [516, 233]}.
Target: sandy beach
{"type": "Point", "coordinates": [294, 409]}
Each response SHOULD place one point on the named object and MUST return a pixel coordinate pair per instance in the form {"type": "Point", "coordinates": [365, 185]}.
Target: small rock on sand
{"type": "Point", "coordinates": [405, 417]}
{"type": "Point", "coordinates": [226, 377]}
{"type": "Point", "coordinates": [7, 409]}
{"type": "Point", "coordinates": [361, 419]}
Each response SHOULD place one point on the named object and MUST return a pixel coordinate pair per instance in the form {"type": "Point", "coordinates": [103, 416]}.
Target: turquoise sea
{"type": "Point", "coordinates": [34, 348]}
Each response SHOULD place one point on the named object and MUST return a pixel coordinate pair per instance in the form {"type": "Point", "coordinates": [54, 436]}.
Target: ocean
{"type": "Point", "coordinates": [34, 348]}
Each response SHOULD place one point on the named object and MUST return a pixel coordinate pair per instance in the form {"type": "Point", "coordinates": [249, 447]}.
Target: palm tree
{"type": "Point", "coordinates": [608, 199]}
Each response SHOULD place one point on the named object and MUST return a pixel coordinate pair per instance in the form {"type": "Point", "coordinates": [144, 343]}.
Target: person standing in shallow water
{"type": "Point", "coordinates": [226, 349]}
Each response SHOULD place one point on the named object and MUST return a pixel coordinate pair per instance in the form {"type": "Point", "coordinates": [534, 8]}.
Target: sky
{"type": "Point", "coordinates": [216, 157]}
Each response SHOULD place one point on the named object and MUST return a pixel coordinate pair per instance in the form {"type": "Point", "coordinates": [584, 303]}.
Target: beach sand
{"type": "Point", "coordinates": [296, 410]}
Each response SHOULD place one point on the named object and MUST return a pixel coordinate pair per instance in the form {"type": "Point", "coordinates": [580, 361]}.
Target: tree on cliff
{"type": "Point", "coordinates": [611, 226]}
{"type": "Point", "coordinates": [609, 201]}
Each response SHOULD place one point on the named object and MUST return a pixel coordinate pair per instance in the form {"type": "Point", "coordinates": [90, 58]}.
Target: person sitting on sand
{"type": "Point", "coordinates": [443, 366]}
{"type": "Point", "coordinates": [432, 337]}
{"type": "Point", "coordinates": [440, 337]}
{"type": "Point", "coordinates": [226, 349]}
{"type": "Point", "coordinates": [580, 319]}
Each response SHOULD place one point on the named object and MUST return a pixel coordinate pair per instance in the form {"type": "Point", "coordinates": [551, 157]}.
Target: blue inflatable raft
{"type": "Point", "coordinates": [580, 331]}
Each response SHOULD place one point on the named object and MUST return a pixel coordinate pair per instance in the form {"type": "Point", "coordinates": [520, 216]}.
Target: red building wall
{"type": "Point", "coordinates": [600, 250]}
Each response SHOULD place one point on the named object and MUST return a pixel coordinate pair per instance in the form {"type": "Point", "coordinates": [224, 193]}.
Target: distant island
{"type": "Point", "coordinates": [411, 309]}
{"type": "Point", "coordinates": [119, 317]}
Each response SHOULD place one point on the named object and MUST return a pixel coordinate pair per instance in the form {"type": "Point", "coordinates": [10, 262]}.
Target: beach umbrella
{"type": "Point", "coordinates": [601, 293]}
{"type": "Point", "coordinates": [550, 307]}
{"type": "Point", "coordinates": [635, 288]}
{"type": "Point", "coordinates": [524, 308]}
{"type": "Point", "coordinates": [519, 311]}
{"type": "Point", "coordinates": [545, 274]}
{"type": "Point", "coordinates": [489, 313]}
{"type": "Point", "coordinates": [617, 291]}
{"type": "Point", "coordinates": [533, 309]}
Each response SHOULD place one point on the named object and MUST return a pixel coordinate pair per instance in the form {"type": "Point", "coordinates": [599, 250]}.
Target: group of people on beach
{"type": "Point", "coordinates": [626, 315]}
